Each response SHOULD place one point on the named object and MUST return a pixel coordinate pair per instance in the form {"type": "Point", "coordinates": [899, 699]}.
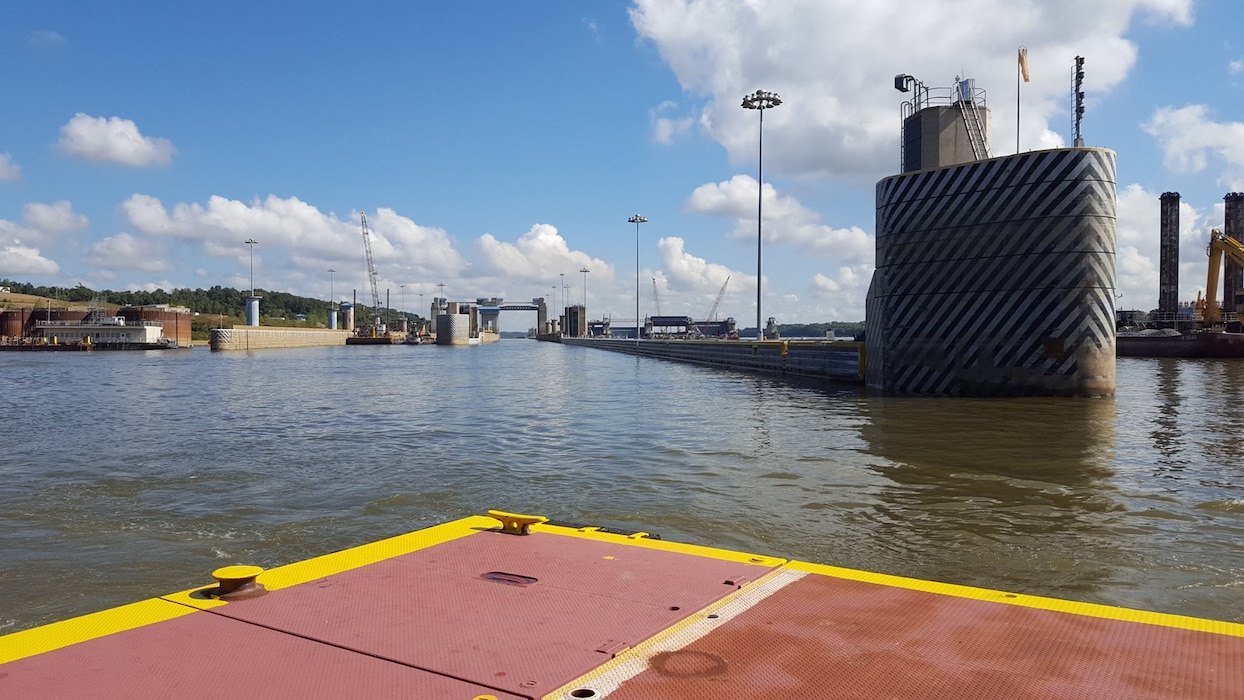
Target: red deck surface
{"type": "Point", "coordinates": [822, 637]}
{"type": "Point", "coordinates": [208, 656]}
{"type": "Point", "coordinates": [431, 624]}
{"type": "Point", "coordinates": [432, 609]}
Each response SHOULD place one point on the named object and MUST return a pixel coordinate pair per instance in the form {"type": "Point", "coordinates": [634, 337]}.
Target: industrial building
{"type": "Point", "coordinates": [130, 327]}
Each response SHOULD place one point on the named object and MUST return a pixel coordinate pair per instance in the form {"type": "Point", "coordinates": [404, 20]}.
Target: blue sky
{"type": "Point", "coordinates": [496, 146]}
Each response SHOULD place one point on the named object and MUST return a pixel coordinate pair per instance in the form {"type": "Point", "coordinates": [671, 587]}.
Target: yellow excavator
{"type": "Point", "coordinates": [1220, 244]}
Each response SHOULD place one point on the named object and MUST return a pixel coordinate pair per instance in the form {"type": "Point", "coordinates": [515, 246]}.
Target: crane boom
{"type": "Point", "coordinates": [371, 269]}
{"type": "Point", "coordinates": [717, 302]}
{"type": "Point", "coordinates": [656, 299]}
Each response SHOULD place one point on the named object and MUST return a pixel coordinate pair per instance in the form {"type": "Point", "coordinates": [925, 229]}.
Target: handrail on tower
{"type": "Point", "coordinates": [963, 95]}
{"type": "Point", "coordinates": [965, 98]}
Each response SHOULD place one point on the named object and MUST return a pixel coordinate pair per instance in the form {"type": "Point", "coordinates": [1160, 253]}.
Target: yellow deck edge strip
{"type": "Point", "coordinates": [56, 635]}
{"type": "Point", "coordinates": [592, 533]}
{"type": "Point", "coordinates": [1108, 612]}
{"type": "Point", "coordinates": [295, 573]}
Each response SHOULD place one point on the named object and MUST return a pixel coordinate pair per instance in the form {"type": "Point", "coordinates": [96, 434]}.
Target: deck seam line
{"type": "Point", "coordinates": [610, 676]}
{"type": "Point", "coordinates": [378, 657]}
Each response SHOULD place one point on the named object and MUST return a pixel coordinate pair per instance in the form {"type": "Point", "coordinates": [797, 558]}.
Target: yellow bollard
{"type": "Point", "coordinates": [237, 582]}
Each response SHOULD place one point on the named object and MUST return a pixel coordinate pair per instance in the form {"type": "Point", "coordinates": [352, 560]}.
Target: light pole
{"type": "Point", "coordinates": [637, 220]}
{"type": "Point", "coordinates": [332, 322]}
{"type": "Point", "coordinates": [562, 303]}
{"type": "Point", "coordinates": [252, 243]}
{"type": "Point", "coordinates": [760, 100]}
{"type": "Point", "coordinates": [584, 270]}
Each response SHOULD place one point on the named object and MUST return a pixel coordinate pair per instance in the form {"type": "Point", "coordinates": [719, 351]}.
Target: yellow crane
{"type": "Point", "coordinates": [1220, 244]}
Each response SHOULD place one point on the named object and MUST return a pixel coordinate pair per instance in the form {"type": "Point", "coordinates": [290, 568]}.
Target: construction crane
{"type": "Point", "coordinates": [371, 274]}
{"type": "Point", "coordinates": [717, 302]}
{"type": "Point", "coordinates": [701, 331]}
{"type": "Point", "coordinates": [655, 298]}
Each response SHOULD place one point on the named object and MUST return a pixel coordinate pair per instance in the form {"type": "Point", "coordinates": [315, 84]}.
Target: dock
{"type": "Point", "coordinates": [508, 606]}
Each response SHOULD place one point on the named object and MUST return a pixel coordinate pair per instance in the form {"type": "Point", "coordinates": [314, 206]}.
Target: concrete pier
{"type": "Point", "coordinates": [263, 338]}
{"type": "Point", "coordinates": [996, 278]}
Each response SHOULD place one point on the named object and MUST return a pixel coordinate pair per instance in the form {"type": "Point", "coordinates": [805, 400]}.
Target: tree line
{"type": "Point", "coordinates": [216, 301]}
{"type": "Point", "coordinates": [227, 304]}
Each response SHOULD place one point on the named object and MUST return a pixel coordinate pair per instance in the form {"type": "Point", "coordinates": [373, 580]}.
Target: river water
{"type": "Point", "coordinates": [128, 475]}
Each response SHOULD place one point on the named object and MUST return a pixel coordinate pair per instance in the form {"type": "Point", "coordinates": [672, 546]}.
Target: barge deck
{"type": "Point", "coordinates": [510, 606]}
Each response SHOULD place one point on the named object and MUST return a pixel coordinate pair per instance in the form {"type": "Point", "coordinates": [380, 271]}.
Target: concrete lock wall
{"type": "Point", "coordinates": [812, 358]}
{"type": "Point", "coordinates": [996, 278]}
{"type": "Point", "coordinates": [263, 338]}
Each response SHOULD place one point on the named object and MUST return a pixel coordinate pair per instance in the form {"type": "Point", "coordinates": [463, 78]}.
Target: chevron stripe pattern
{"type": "Point", "coordinates": [996, 278]}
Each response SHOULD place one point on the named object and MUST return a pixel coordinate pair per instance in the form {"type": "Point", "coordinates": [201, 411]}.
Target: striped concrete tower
{"type": "Point", "coordinates": [996, 278]}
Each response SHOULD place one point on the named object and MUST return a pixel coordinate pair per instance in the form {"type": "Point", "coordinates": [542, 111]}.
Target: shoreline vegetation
{"type": "Point", "coordinates": [219, 307]}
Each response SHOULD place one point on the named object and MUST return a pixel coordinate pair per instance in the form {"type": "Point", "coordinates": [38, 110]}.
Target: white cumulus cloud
{"type": "Point", "coordinates": [833, 63]}
{"type": "Point", "coordinates": [57, 217]}
{"type": "Point", "coordinates": [786, 221]}
{"type": "Point", "coordinates": [539, 254]}
{"type": "Point", "coordinates": [665, 128]}
{"type": "Point", "coordinates": [17, 259]}
{"type": "Point", "coordinates": [1189, 137]}
{"type": "Point", "coordinates": [113, 140]}
{"type": "Point", "coordinates": [310, 240]}
{"type": "Point", "coordinates": [126, 252]}
{"type": "Point", "coordinates": [687, 271]}
{"type": "Point", "coordinates": [9, 169]}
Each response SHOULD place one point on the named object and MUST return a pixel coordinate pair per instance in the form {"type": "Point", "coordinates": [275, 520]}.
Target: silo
{"type": "Point", "coordinates": [1168, 260]}
{"type": "Point", "coordinates": [332, 320]}
{"type": "Point", "coordinates": [252, 311]}
{"type": "Point", "coordinates": [347, 310]}
{"type": "Point", "coordinates": [13, 322]}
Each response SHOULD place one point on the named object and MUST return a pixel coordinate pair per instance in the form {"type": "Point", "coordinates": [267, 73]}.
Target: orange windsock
{"type": "Point", "coordinates": [1023, 62]}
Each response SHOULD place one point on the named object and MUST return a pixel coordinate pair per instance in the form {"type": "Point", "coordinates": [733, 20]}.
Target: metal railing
{"type": "Point", "coordinates": [964, 95]}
